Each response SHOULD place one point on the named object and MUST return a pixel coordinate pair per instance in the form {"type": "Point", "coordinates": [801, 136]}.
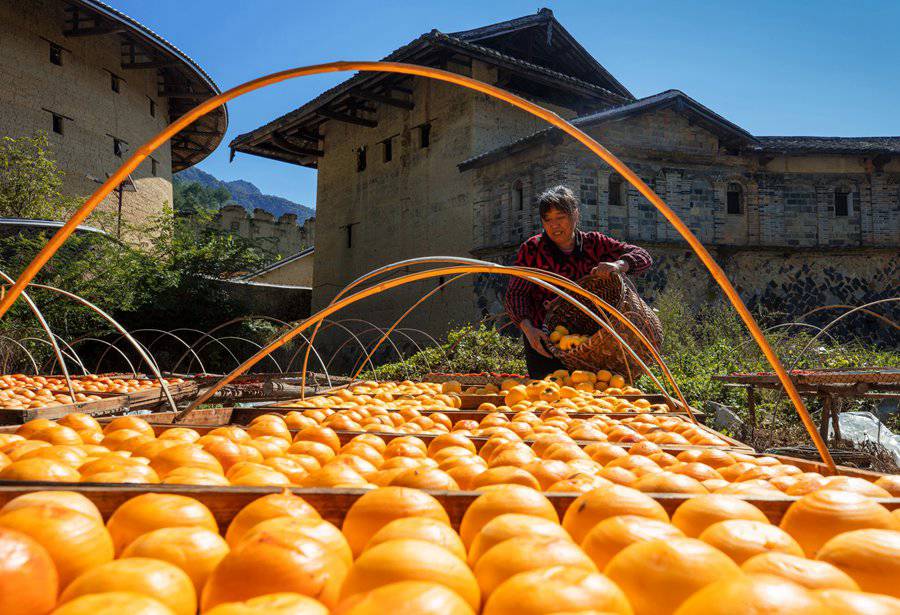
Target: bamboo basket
{"type": "Point", "coordinates": [602, 350]}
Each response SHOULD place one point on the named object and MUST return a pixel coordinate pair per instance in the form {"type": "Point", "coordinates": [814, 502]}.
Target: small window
{"type": "Point", "coordinates": [57, 123]}
{"type": "Point", "coordinates": [115, 83]}
{"type": "Point", "coordinates": [615, 190]}
{"type": "Point", "coordinates": [841, 202]}
{"type": "Point", "coordinates": [56, 54]}
{"type": "Point", "coordinates": [424, 135]}
{"type": "Point", "coordinates": [518, 200]}
{"type": "Point", "coordinates": [152, 107]}
{"type": "Point", "coordinates": [118, 147]}
{"type": "Point", "coordinates": [154, 167]}
{"type": "Point", "coordinates": [388, 150]}
{"type": "Point", "coordinates": [734, 199]}
{"type": "Point", "coordinates": [361, 159]}
{"type": "Point", "coordinates": [349, 235]}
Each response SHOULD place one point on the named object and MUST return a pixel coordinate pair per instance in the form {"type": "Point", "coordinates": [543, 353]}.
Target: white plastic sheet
{"type": "Point", "coordinates": [860, 427]}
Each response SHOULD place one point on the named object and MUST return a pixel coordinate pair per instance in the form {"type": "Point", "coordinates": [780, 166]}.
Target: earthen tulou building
{"type": "Point", "coordinates": [99, 85]}
{"type": "Point", "coordinates": [410, 167]}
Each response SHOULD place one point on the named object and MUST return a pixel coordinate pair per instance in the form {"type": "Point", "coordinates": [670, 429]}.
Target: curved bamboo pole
{"type": "Point", "coordinates": [328, 325]}
{"type": "Point", "coordinates": [836, 321]}
{"type": "Point", "coordinates": [119, 350]}
{"type": "Point", "coordinates": [241, 339]}
{"type": "Point", "coordinates": [839, 306]}
{"type": "Point", "coordinates": [397, 322]}
{"type": "Point", "coordinates": [374, 327]}
{"type": "Point", "coordinates": [593, 298]}
{"type": "Point", "coordinates": [50, 335]}
{"type": "Point", "coordinates": [535, 276]}
{"type": "Point", "coordinates": [205, 107]}
{"type": "Point", "coordinates": [137, 346]}
{"type": "Point", "coordinates": [34, 364]}
{"type": "Point", "coordinates": [365, 357]}
{"type": "Point", "coordinates": [163, 334]}
{"type": "Point", "coordinates": [209, 333]}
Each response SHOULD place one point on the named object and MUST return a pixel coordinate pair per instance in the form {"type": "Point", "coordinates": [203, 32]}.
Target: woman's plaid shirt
{"type": "Point", "coordinates": [526, 300]}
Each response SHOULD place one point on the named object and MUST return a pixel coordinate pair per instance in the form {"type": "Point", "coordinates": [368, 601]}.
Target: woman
{"type": "Point", "coordinates": [567, 251]}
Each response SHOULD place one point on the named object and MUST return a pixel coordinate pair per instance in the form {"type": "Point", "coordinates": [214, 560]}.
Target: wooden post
{"type": "Point", "coordinates": [751, 405]}
{"type": "Point", "coordinates": [827, 402]}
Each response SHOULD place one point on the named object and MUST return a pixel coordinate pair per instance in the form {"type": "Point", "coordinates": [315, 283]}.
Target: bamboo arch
{"type": "Point", "coordinates": [552, 118]}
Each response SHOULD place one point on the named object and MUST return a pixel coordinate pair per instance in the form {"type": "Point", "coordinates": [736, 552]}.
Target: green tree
{"type": "Point", "coordinates": [30, 182]}
{"type": "Point", "coordinates": [194, 197]}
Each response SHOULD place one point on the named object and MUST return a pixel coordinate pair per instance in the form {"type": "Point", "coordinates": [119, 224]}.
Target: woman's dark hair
{"type": "Point", "coordinates": [558, 197]}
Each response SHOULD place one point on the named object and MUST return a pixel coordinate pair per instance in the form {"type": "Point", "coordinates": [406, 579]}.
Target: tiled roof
{"type": "Point", "coordinates": [669, 98]}
{"type": "Point", "coordinates": [460, 41]}
{"type": "Point", "coordinates": [829, 145]}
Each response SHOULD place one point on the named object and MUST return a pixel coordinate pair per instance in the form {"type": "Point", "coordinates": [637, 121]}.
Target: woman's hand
{"type": "Point", "coordinates": [618, 266]}
{"type": "Point", "coordinates": [536, 338]}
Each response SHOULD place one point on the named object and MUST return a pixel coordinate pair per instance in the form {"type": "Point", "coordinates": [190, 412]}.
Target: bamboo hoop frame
{"type": "Point", "coordinates": [559, 279]}
{"type": "Point", "coordinates": [535, 276]}
{"type": "Point", "coordinates": [32, 269]}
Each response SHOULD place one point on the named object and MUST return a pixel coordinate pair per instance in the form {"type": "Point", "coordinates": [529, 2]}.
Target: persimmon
{"type": "Point", "coordinates": [502, 499]}
{"type": "Point", "coordinates": [696, 514]}
{"type": "Point", "coordinates": [741, 539]}
{"type": "Point", "coordinates": [334, 475]}
{"type": "Point", "coordinates": [658, 575]}
{"type": "Point", "coordinates": [29, 582]}
{"type": "Point", "coordinates": [817, 517]}
{"type": "Point", "coordinates": [133, 423]}
{"type": "Point", "coordinates": [512, 525]}
{"type": "Point", "coordinates": [153, 578]}
{"type": "Point", "coordinates": [890, 483]}
{"type": "Point", "coordinates": [269, 563]}
{"type": "Point", "coordinates": [64, 499]}
{"type": "Point", "coordinates": [556, 589]}
{"type": "Point", "coordinates": [419, 597]}
{"type": "Point", "coordinates": [613, 534]}
{"type": "Point", "coordinates": [590, 508]}
{"type": "Point", "coordinates": [195, 476]}
{"type": "Point", "coordinates": [305, 527]}
{"type": "Point", "coordinates": [810, 573]}
{"type": "Point", "coordinates": [752, 594]}
{"type": "Point", "coordinates": [420, 528]}
{"type": "Point", "coordinates": [284, 504]}
{"type": "Point", "coordinates": [425, 478]}
{"type": "Point", "coordinates": [151, 511]}
{"type": "Point", "coordinates": [871, 557]}
{"type": "Point", "coordinates": [75, 541]}
{"type": "Point", "coordinates": [859, 485]}
{"type": "Point", "coordinates": [184, 455]}
{"type": "Point", "coordinates": [114, 603]}
{"type": "Point", "coordinates": [39, 469]}
{"type": "Point", "coordinates": [858, 603]}
{"type": "Point", "coordinates": [523, 553]}
{"type": "Point", "coordinates": [411, 560]}
{"type": "Point", "coordinates": [505, 475]}
{"type": "Point", "coordinates": [668, 482]}
{"type": "Point", "coordinates": [377, 508]}
{"type": "Point", "coordinates": [196, 550]}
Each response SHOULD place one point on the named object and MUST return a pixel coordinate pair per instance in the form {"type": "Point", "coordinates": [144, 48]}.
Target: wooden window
{"type": "Point", "coordinates": [387, 149]}
{"type": "Point", "coordinates": [154, 167]}
{"type": "Point", "coordinates": [734, 199]}
{"type": "Point", "coordinates": [361, 159]}
{"type": "Point", "coordinates": [152, 107]}
{"type": "Point", "coordinates": [518, 195]}
{"type": "Point", "coordinates": [115, 83]}
{"type": "Point", "coordinates": [118, 147]}
{"type": "Point", "coordinates": [349, 235]}
{"type": "Point", "coordinates": [616, 186]}
{"type": "Point", "coordinates": [424, 135]}
{"type": "Point", "coordinates": [57, 123]}
{"type": "Point", "coordinates": [56, 54]}
{"type": "Point", "coordinates": [841, 202]}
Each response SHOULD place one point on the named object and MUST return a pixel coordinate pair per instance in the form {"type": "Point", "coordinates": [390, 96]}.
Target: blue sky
{"type": "Point", "coordinates": [786, 67]}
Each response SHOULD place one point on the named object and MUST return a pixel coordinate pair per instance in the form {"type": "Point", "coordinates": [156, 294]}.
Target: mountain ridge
{"type": "Point", "coordinates": [247, 195]}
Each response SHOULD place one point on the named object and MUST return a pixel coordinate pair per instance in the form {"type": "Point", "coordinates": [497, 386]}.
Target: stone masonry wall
{"type": "Point", "coordinates": [786, 252]}
{"type": "Point", "coordinates": [80, 91]}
